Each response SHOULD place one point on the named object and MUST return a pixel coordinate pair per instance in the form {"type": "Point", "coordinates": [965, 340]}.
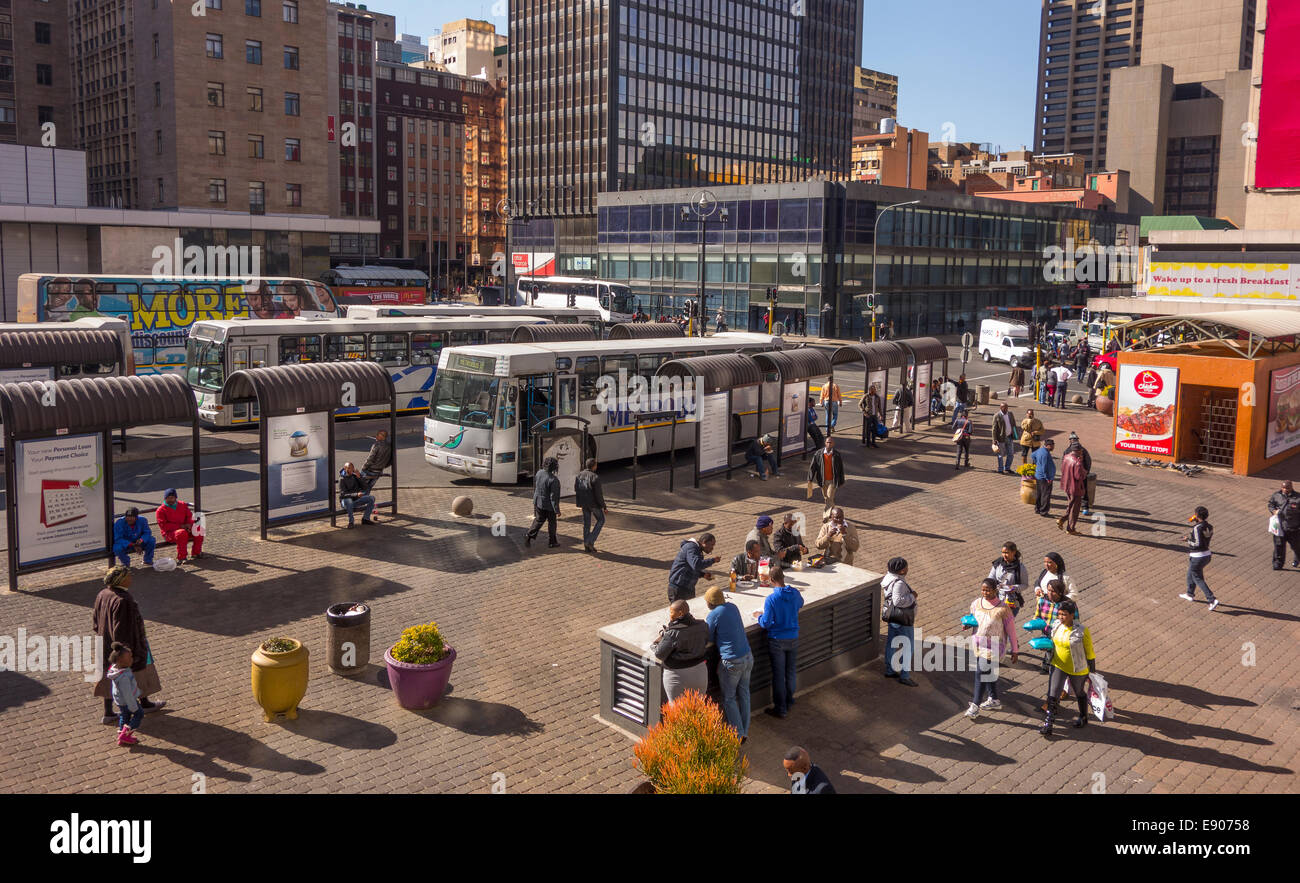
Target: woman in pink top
{"type": "Point", "coordinates": [995, 634]}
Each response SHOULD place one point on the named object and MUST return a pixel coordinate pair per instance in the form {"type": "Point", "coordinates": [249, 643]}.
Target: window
{"type": "Point", "coordinates": [253, 8]}
{"type": "Point", "coordinates": [44, 75]}
{"type": "Point", "coordinates": [254, 98]}
{"type": "Point", "coordinates": [257, 197]}
{"type": "Point", "coordinates": [291, 58]}
{"type": "Point", "coordinates": [293, 195]}
{"type": "Point", "coordinates": [157, 141]}
{"type": "Point", "coordinates": [253, 51]}
{"type": "Point", "coordinates": [212, 4]}
{"type": "Point", "coordinates": [214, 47]}
{"type": "Point", "coordinates": [426, 345]}
{"type": "Point", "coordinates": [388, 349]}
{"type": "Point", "coordinates": [216, 143]}
{"type": "Point", "coordinates": [157, 94]}
{"type": "Point", "coordinates": [160, 189]}
{"type": "Point", "coordinates": [295, 350]}
{"type": "Point", "coordinates": [292, 150]}
{"type": "Point", "coordinates": [216, 190]}
{"type": "Point", "coordinates": [44, 114]}
{"type": "Point", "coordinates": [291, 11]}
{"type": "Point", "coordinates": [345, 347]}
{"type": "Point", "coordinates": [291, 105]}
{"type": "Point", "coordinates": [255, 147]}
{"type": "Point", "coordinates": [43, 32]}
{"type": "Point", "coordinates": [216, 94]}
{"type": "Point", "coordinates": [155, 45]}
{"type": "Point", "coordinates": [7, 111]}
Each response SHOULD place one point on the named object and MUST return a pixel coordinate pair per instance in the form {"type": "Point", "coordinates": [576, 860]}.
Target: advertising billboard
{"type": "Point", "coordinates": [1145, 409]}
{"type": "Point", "coordinates": [1277, 148]}
{"type": "Point", "coordinates": [794, 410]}
{"type": "Point", "coordinates": [1283, 411]}
{"type": "Point", "coordinates": [297, 472]}
{"type": "Point", "coordinates": [60, 497]}
{"type": "Point", "coordinates": [715, 411]}
{"type": "Point", "coordinates": [1255, 283]}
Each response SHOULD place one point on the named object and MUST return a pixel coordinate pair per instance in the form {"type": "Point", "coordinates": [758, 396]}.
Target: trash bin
{"type": "Point", "coordinates": [1090, 489]}
{"type": "Point", "coordinates": [982, 390]}
{"type": "Point", "coordinates": [347, 638]}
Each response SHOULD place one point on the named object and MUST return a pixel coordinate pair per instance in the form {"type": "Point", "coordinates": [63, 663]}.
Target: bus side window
{"type": "Point", "coordinates": [466, 338]}
{"type": "Point", "coordinates": [648, 364]}
{"type": "Point", "coordinates": [498, 336]}
{"type": "Point", "coordinates": [588, 371]}
{"type": "Point", "coordinates": [295, 350]}
{"type": "Point", "coordinates": [425, 347]}
{"type": "Point", "coordinates": [388, 350]}
{"type": "Point", "coordinates": [345, 347]}
{"type": "Point", "coordinates": [611, 364]}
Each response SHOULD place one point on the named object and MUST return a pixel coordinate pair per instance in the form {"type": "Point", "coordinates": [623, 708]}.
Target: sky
{"type": "Point", "coordinates": [966, 71]}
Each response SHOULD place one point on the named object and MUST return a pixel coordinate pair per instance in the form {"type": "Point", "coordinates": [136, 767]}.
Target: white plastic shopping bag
{"type": "Point", "coordinates": [1099, 698]}
{"type": "Point", "coordinates": [164, 564]}
{"type": "Point", "coordinates": [1275, 525]}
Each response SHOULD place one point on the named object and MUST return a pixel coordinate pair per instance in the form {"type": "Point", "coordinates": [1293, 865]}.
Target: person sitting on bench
{"type": "Point", "coordinates": [353, 493]}
{"type": "Point", "coordinates": [131, 533]}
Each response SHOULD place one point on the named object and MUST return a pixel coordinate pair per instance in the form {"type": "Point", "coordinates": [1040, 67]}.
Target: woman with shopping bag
{"type": "Point", "coordinates": [116, 618]}
{"type": "Point", "coordinates": [1072, 661]}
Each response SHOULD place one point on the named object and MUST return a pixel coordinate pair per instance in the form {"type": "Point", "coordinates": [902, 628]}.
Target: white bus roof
{"type": "Point", "coordinates": [77, 277]}
{"type": "Point", "coordinates": [588, 279]}
{"type": "Point", "coordinates": [526, 357]}
{"type": "Point", "coordinates": [302, 325]}
{"type": "Point", "coordinates": [460, 311]}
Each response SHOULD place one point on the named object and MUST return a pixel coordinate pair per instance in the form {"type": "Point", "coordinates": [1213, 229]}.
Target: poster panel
{"type": "Point", "coordinates": [60, 498]}
{"type": "Point", "coordinates": [794, 411]}
{"type": "Point", "coordinates": [923, 391]}
{"type": "Point", "coordinates": [878, 379]}
{"type": "Point", "coordinates": [297, 472]}
{"type": "Point", "coordinates": [1145, 409]}
{"type": "Point", "coordinates": [1277, 161]}
{"type": "Point", "coordinates": [1217, 281]}
{"type": "Point", "coordinates": [1283, 411]}
{"type": "Point", "coordinates": [565, 445]}
{"type": "Point", "coordinates": [713, 432]}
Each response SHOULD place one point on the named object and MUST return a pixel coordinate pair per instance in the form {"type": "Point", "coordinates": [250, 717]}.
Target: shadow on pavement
{"type": "Point", "coordinates": [1233, 610]}
{"type": "Point", "coordinates": [477, 718]}
{"type": "Point", "coordinates": [18, 689]}
{"type": "Point", "coordinates": [340, 729]}
{"type": "Point", "coordinates": [192, 761]}
{"type": "Point", "coordinates": [217, 743]}
{"type": "Point", "coordinates": [1193, 696]}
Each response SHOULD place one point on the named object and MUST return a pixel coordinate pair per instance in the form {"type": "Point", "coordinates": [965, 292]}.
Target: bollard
{"type": "Point", "coordinates": [462, 506]}
{"type": "Point", "coordinates": [982, 391]}
{"type": "Point", "coordinates": [347, 638]}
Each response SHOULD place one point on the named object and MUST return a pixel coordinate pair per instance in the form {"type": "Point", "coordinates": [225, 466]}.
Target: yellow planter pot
{"type": "Point", "coordinates": [1028, 490]}
{"type": "Point", "coordinates": [280, 680]}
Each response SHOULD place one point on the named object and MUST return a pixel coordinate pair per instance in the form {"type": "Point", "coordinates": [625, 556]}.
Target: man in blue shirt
{"type": "Point", "coordinates": [1044, 475]}
{"type": "Point", "coordinates": [727, 632]}
{"type": "Point", "coordinates": [131, 534]}
{"type": "Point", "coordinates": [780, 617]}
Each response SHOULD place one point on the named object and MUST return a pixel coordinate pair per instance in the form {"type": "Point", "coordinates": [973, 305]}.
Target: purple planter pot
{"type": "Point", "coordinates": [419, 686]}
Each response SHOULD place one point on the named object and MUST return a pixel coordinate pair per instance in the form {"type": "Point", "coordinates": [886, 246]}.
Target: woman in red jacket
{"type": "Point", "coordinates": [177, 525]}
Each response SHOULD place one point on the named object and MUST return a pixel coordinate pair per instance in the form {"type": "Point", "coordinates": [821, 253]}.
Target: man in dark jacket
{"type": "Point", "coordinates": [682, 648]}
{"type": "Point", "coordinates": [116, 617]}
{"type": "Point", "coordinates": [689, 565]}
{"type": "Point", "coordinates": [354, 493]}
{"type": "Point", "coordinates": [1285, 504]}
{"type": "Point", "coordinates": [589, 495]}
{"type": "Point", "coordinates": [379, 458]}
{"type": "Point", "coordinates": [1004, 437]}
{"type": "Point", "coordinates": [1198, 555]}
{"type": "Point", "coordinates": [745, 564]}
{"type": "Point", "coordinates": [787, 543]}
{"type": "Point", "coordinates": [546, 502]}
{"type": "Point", "coordinates": [805, 776]}
{"type": "Point", "coordinates": [903, 401]}
{"type": "Point", "coordinates": [873, 414]}
{"type": "Point", "coordinates": [1090, 479]}
{"type": "Point", "coordinates": [826, 471]}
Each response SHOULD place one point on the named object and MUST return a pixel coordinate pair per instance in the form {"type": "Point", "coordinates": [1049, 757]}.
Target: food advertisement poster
{"type": "Point", "coordinates": [297, 479]}
{"type": "Point", "coordinates": [1145, 408]}
{"type": "Point", "coordinates": [60, 498]}
{"type": "Point", "coordinates": [1283, 411]}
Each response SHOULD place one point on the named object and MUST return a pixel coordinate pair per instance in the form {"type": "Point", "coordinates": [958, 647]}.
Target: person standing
{"type": "Point", "coordinates": [1074, 482]}
{"type": "Point", "coordinates": [736, 663]}
{"type": "Point", "coordinates": [1062, 375]}
{"type": "Point", "coordinates": [1004, 436]}
{"type": "Point", "coordinates": [176, 524]}
{"type": "Point", "coordinates": [1016, 382]}
{"type": "Point", "coordinates": [838, 537]}
{"type": "Point", "coordinates": [902, 399]}
{"type": "Point", "coordinates": [826, 471]}
{"type": "Point", "coordinates": [831, 399]}
{"type": "Point", "coordinates": [805, 776]}
{"type": "Point", "coordinates": [590, 497]}
{"type": "Point", "coordinates": [1073, 660]}
{"type": "Point", "coordinates": [873, 414]}
{"type": "Point", "coordinates": [682, 647]}
{"type": "Point", "coordinates": [1090, 480]}
{"type": "Point", "coordinates": [125, 693]}
{"type": "Point", "coordinates": [1044, 475]}
{"type": "Point", "coordinates": [689, 566]}
{"type": "Point", "coordinates": [780, 618]}
{"type": "Point", "coordinates": [898, 595]}
{"type": "Point", "coordinates": [1031, 433]}
{"type": "Point", "coordinates": [1285, 505]}
{"type": "Point", "coordinates": [1082, 358]}
{"type": "Point", "coordinates": [719, 323]}
{"type": "Point", "coordinates": [116, 618]}
{"type": "Point", "coordinates": [1198, 555]}
{"type": "Point", "coordinates": [962, 429]}
{"type": "Point", "coordinates": [995, 635]}
{"type": "Point", "coordinates": [546, 502]}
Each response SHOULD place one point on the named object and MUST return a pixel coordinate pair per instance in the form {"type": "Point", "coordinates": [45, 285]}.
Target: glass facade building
{"type": "Point", "coordinates": [943, 264]}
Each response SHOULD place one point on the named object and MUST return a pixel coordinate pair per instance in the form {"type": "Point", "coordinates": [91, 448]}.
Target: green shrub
{"type": "Point", "coordinates": [420, 645]}
{"type": "Point", "coordinates": [278, 645]}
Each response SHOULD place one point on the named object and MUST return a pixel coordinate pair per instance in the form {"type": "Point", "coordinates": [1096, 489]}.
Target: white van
{"type": "Point", "coordinates": [1005, 342]}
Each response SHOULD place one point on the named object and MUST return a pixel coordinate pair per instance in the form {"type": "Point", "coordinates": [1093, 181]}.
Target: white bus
{"type": "Point", "coordinates": [408, 347]}
{"type": "Point", "coordinates": [559, 315]}
{"type": "Point", "coordinates": [486, 400]}
{"type": "Point", "coordinates": [613, 299]}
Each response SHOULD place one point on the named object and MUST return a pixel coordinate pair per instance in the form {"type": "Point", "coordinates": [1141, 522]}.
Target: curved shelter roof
{"type": "Point", "coordinates": [1246, 332]}
{"type": "Point", "coordinates": [60, 346]}
{"type": "Point", "coordinates": [558, 333]}
{"type": "Point", "coordinates": [926, 349]}
{"type": "Point", "coordinates": [94, 404]}
{"type": "Point", "coordinates": [803, 363]}
{"type": "Point", "coordinates": [877, 354]}
{"type": "Point", "coordinates": [717, 373]}
{"type": "Point", "coordinates": [315, 386]}
{"type": "Point", "coordinates": [644, 330]}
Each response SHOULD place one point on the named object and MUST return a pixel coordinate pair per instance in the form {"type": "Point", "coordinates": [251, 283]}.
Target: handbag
{"type": "Point", "coordinates": [889, 613]}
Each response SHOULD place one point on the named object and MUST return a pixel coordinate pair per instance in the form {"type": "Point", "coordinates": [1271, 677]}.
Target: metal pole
{"type": "Point", "coordinates": [636, 432]}
{"type": "Point", "coordinates": [107, 437]}
{"type": "Point", "coordinates": [699, 313]}
{"type": "Point", "coordinates": [672, 454]}
{"type": "Point", "coordinates": [11, 504]}
{"type": "Point", "coordinates": [392, 439]}
{"type": "Point", "coordinates": [875, 239]}
{"type": "Point", "coordinates": [329, 417]}
{"type": "Point", "coordinates": [265, 489]}
{"type": "Point", "coordinates": [194, 442]}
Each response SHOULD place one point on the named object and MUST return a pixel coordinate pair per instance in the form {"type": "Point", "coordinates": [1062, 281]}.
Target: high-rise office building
{"type": "Point", "coordinates": [35, 81]}
{"type": "Point", "coordinates": [638, 94]}
{"type": "Point", "coordinates": [875, 98]}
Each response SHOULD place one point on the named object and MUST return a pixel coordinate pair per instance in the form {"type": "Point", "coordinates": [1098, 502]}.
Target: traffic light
{"type": "Point", "coordinates": [1033, 334]}
{"type": "Point", "coordinates": [871, 302]}
{"type": "Point", "coordinates": [573, 299]}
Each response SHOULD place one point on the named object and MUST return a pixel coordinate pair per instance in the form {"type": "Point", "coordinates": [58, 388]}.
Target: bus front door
{"type": "Point", "coordinates": [537, 394]}
{"type": "Point", "coordinates": [238, 362]}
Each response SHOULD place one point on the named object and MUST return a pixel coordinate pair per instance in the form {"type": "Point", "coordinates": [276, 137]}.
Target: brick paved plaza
{"type": "Point", "coordinates": [1191, 716]}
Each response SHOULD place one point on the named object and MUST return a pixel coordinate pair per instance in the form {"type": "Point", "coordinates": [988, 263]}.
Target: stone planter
{"type": "Point", "coordinates": [1028, 490]}
{"type": "Point", "coordinates": [1105, 405]}
{"type": "Point", "coordinates": [280, 680]}
{"type": "Point", "coordinates": [418, 687]}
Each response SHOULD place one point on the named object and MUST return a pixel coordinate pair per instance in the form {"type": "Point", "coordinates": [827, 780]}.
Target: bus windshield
{"type": "Point", "coordinates": [619, 299]}
{"type": "Point", "coordinates": [204, 365]}
{"type": "Point", "coordinates": [464, 399]}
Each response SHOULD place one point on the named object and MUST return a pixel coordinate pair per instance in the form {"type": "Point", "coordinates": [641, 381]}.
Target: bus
{"type": "Point", "coordinates": [376, 285]}
{"type": "Point", "coordinates": [407, 346]}
{"type": "Point", "coordinates": [67, 371]}
{"type": "Point", "coordinates": [160, 310]}
{"type": "Point", "coordinates": [613, 299]}
{"type": "Point", "coordinates": [486, 400]}
{"type": "Point", "coordinates": [559, 315]}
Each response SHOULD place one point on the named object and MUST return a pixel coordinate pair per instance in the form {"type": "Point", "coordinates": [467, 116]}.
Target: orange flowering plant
{"type": "Point", "coordinates": [692, 750]}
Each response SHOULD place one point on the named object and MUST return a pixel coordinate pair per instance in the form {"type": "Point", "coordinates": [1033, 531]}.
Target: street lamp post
{"type": "Point", "coordinates": [875, 240]}
{"type": "Point", "coordinates": [515, 215]}
{"type": "Point", "coordinates": [703, 205]}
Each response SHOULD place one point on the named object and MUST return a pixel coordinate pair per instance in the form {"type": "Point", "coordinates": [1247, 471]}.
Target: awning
{"type": "Point", "coordinates": [316, 386]}
{"type": "Point", "coordinates": [553, 333]}
{"type": "Point", "coordinates": [96, 403]}
{"type": "Point", "coordinates": [643, 330]}
{"type": "Point", "coordinates": [58, 347]}
{"type": "Point", "coordinates": [876, 355]}
{"type": "Point", "coordinates": [1266, 330]}
{"type": "Point", "coordinates": [926, 349]}
{"type": "Point", "coordinates": [793, 365]}
{"type": "Point", "coordinates": [716, 373]}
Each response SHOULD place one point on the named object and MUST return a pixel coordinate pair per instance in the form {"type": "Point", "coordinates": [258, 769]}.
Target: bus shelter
{"type": "Point", "coordinates": [645, 330]}
{"type": "Point", "coordinates": [553, 333]}
{"type": "Point", "coordinates": [723, 388]}
{"type": "Point", "coordinates": [59, 474]}
{"type": "Point", "coordinates": [876, 359]}
{"type": "Point", "coordinates": [297, 405]}
{"type": "Point", "coordinates": [924, 353]}
{"type": "Point", "coordinates": [791, 370]}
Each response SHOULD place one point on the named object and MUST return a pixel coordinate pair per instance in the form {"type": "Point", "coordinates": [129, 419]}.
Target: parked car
{"type": "Point", "coordinates": [1005, 342]}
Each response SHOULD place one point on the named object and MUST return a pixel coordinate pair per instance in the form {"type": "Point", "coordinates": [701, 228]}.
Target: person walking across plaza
{"type": "Point", "coordinates": [780, 619]}
{"type": "Point", "coordinates": [1031, 434]}
{"type": "Point", "coordinates": [1089, 480]}
{"type": "Point", "coordinates": [1073, 660]}
{"type": "Point", "coordinates": [1016, 382]}
{"type": "Point", "coordinates": [546, 502]}
{"type": "Point", "coordinates": [131, 533]}
{"type": "Point", "coordinates": [838, 537]}
{"type": "Point", "coordinates": [690, 565]}
{"type": "Point", "coordinates": [831, 400]}
{"type": "Point", "coordinates": [1008, 571]}
{"type": "Point", "coordinates": [116, 618]}
{"type": "Point", "coordinates": [826, 471]}
{"type": "Point", "coordinates": [1004, 437]}
{"type": "Point", "coordinates": [1074, 482]}
{"type": "Point", "coordinates": [590, 497]}
{"type": "Point", "coordinates": [1284, 505]}
{"type": "Point", "coordinates": [900, 606]}
{"type": "Point", "coordinates": [995, 636]}
{"type": "Point", "coordinates": [125, 693]}
{"type": "Point", "coordinates": [727, 632]}
{"type": "Point", "coordinates": [1062, 375]}
{"type": "Point", "coordinates": [682, 648]}
{"type": "Point", "coordinates": [176, 524]}
{"type": "Point", "coordinates": [1044, 475]}
{"type": "Point", "coordinates": [805, 776]}
{"type": "Point", "coordinates": [1198, 555]}
{"type": "Point", "coordinates": [1053, 568]}
{"type": "Point", "coordinates": [961, 436]}
{"type": "Point", "coordinates": [873, 414]}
